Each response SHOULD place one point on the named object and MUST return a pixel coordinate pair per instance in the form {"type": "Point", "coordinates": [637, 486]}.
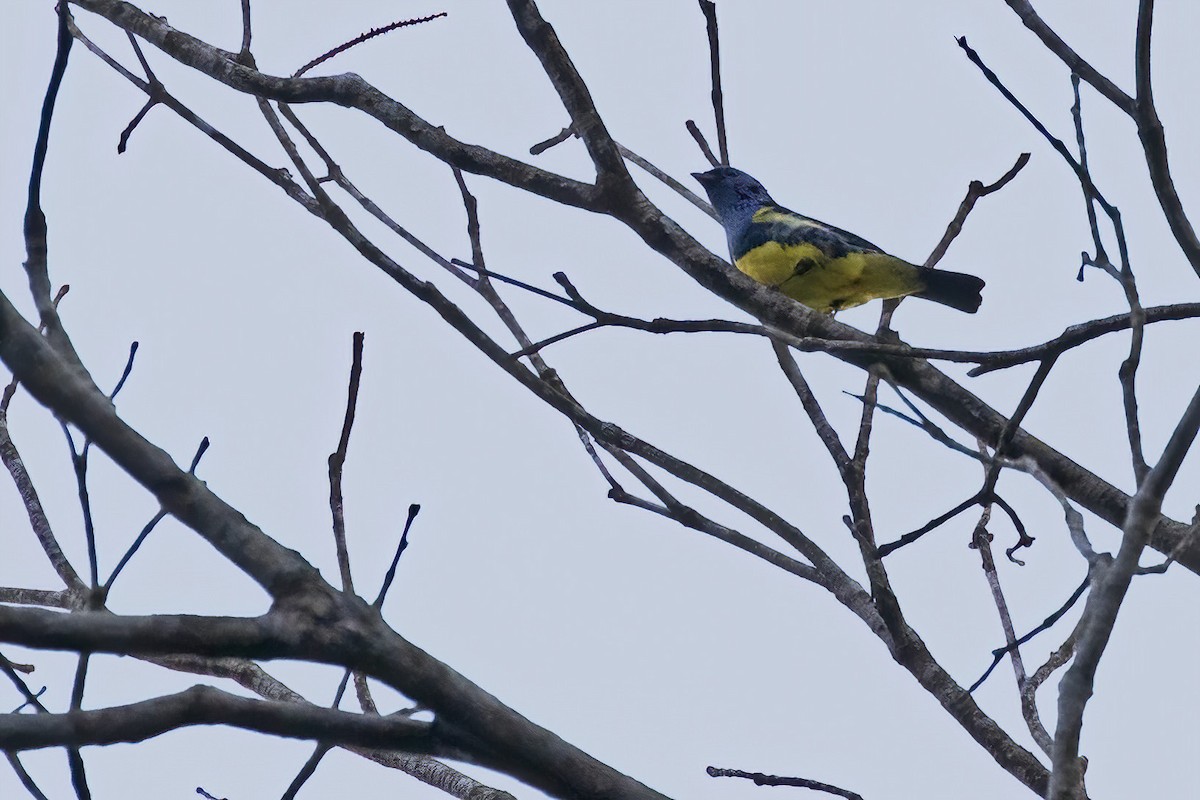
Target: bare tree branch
{"type": "Point", "coordinates": [612, 176]}
{"type": "Point", "coordinates": [1154, 142]}
{"type": "Point", "coordinates": [33, 503]}
{"type": "Point", "coordinates": [661, 234]}
{"type": "Point", "coordinates": [35, 228]}
{"type": "Point", "coordinates": [774, 780]}
{"type": "Point", "coordinates": [349, 90]}
{"type": "Point", "coordinates": [975, 191]}
{"type": "Point", "coordinates": [1014, 642]}
{"type": "Point", "coordinates": [1108, 592]}
{"type": "Point", "coordinates": [252, 677]}
{"type": "Point", "coordinates": [1055, 44]}
{"type": "Point", "coordinates": [337, 461]}
{"type": "Point", "coordinates": [341, 48]}
{"type": "Point", "coordinates": [24, 777]}
{"type": "Point", "coordinates": [313, 621]}
{"type": "Point", "coordinates": [709, 9]}
{"type": "Point", "coordinates": [204, 705]}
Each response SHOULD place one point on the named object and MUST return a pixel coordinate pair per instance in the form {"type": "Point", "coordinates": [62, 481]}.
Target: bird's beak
{"type": "Point", "coordinates": [701, 176]}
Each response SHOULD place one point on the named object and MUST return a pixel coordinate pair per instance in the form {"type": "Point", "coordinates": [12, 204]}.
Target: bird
{"type": "Point", "coordinates": [823, 267]}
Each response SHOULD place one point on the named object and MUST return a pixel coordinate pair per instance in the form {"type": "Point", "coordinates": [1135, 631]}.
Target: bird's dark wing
{"type": "Point", "coordinates": [773, 223]}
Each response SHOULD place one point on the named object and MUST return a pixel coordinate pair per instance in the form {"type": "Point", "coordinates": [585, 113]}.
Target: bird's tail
{"type": "Point", "coordinates": [953, 289]}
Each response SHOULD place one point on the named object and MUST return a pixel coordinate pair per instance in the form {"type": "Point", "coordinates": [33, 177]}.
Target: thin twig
{"type": "Point", "coordinates": [79, 780]}
{"type": "Point", "coordinates": [1023, 537]}
{"type": "Point", "coordinates": [1014, 421]}
{"type": "Point", "coordinates": [1105, 600]}
{"type": "Point", "coordinates": [371, 34]}
{"type": "Point", "coordinates": [936, 522]}
{"type": "Point", "coordinates": [1029, 708]}
{"type": "Point", "coordinates": [24, 777]}
{"type": "Point", "coordinates": [252, 677]}
{"type": "Point", "coordinates": [774, 780]}
{"type": "Point", "coordinates": [79, 465]}
{"type": "Point", "coordinates": [808, 400]}
{"type": "Point", "coordinates": [1054, 141]}
{"type": "Point", "coordinates": [553, 141]}
{"type": "Point", "coordinates": [123, 139]}
{"type": "Point", "coordinates": [401, 546]}
{"type": "Point", "coordinates": [982, 541]}
{"type": "Point", "coordinates": [306, 771]}
{"type": "Point", "coordinates": [337, 461]}
{"type": "Point", "coordinates": [133, 348]}
{"type": "Point", "coordinates": [679, 188]}
{"type": "Point", "coordinates": [245, 51]}
{"type": "Point", "coordinates": [920, 420]}
{"type": "Point", "coordinates": [1045, 625]}
{"type": "Point", "coordinates": [35, 228]}
{"type": "Point", "coordinates": [1076, 335]}
{"type": "Point", "coordinates": [31, 698]}
{"type": "Point", "coordinates": [694, 130]}
{"type": "Point", "coordinates": [133, 548]}
{"type": "Point", "coordinates": [975, 191]}
{"type": "Point", "coordinates": [859, 522]}
{"type": "Point", "coordinates": [1055, 44]}
{"type": "Point", "coordinates": [1185, 542]}
{"type": "Point", "coordinates": [1154, 143]}
{"type": "Point", "coordinates": [200, 451]}
{"type": "Point", "coordinates": [309, 767]}
{"type": "Point", "coordinates": [987, 493]}
{"type": "Point", "coordinates": [689, 517]}
{"type": "Point", "coordinates": [1137, 314]}
{"type": "Point", "coordinates": [276, 176]}
{"type": "Point", "coordinates": [149, 526]}
{"type": "Point", "coordinates": [709, 9]}
{"type": "Point", "coordinates": [32, 502]}
{"type": "Point", "coordinates": [629, 155]}
{"type": "Point", "coordinates": [1088, 201]}
{"type": "Point", "coordinates": [1072, 516]}
{"type": "Point", "coordinates": [154, 89]}
{"type": "Point", "coordinates": [989, 361]}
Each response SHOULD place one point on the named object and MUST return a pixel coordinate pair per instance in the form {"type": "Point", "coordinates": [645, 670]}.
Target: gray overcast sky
{"type": "Point", "coordinates": [652, 648]}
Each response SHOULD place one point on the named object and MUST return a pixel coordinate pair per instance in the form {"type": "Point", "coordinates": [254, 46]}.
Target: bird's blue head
{"type": "Point", "coordinates": [734, 194]}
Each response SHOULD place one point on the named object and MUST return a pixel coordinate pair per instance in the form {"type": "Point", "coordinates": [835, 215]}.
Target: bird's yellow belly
{"type": "Point", "coordinates": [804, 273]}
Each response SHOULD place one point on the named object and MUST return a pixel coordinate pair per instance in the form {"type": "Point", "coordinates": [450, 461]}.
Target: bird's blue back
{"type": "Point", "coordinates": [738, 198]}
